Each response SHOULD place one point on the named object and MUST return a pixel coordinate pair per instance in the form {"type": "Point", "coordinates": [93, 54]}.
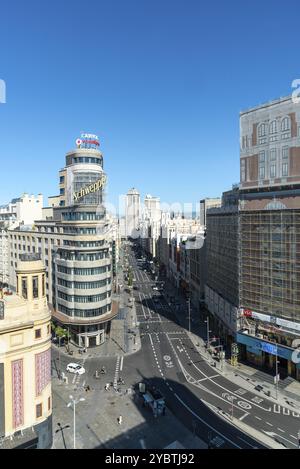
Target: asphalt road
{"type": "Point", "coordinates": [193, 389]}
{"type": "Point", "coordinates": [190, 383]}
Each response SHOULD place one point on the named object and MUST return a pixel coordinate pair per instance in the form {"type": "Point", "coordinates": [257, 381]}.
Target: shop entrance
{"type": "Point", "coordinates": [92, 342]}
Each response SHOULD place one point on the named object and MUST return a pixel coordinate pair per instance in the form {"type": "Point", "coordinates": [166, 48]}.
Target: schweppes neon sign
{"type": "Point", "coordinates": [95, 187]}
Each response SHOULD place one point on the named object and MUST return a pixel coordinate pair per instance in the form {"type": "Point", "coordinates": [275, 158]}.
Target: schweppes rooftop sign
{"type": "Point", "coordinates": [95, 187]}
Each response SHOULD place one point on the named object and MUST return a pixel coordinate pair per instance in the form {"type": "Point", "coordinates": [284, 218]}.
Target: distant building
{"type": "Point", "coordinates": [132, 213]}
{"type": "Point", "coordinates": [206, 204]}
{"type": "Point", "coordinates": [21, 211]}
{"type": "Point", "coordinates": [222, 249]}
{"type": "Point", "coordinates": [25, 361]}
{"type": "Point", "coordinates": [150, 224]}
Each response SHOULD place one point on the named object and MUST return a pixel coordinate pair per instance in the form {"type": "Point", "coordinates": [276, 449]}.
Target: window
{"type": "Point", "coordinates": [48, 329]}
{"type": "Point", "coordinates": [35, 287]}
{"type": "Point", "coordinates": [261, 156]}
{"type": "Point", "coordinates": [243, 170]}
{"type": "Point", "coordinates": [273, 127]}
{"type": "Point", "coordinates": [38, 333]}
{"type": "Point", "coordinates": [24, 287]}
{"type": "Point", "coordinates": [285, 124]}
{"type": "Point", "coordinates": [284, 169]}
{"type": "Point", "coordinates": [285, 153]}
{"type": "Point", "coordinates": [43, 285]}
{"type": "Point", "coordinates": [49, 403]}
{"type": "Point", "coordinates": [273, 171]}
{"type": "Point", "coordinates": [262, 172]}
{"type": "Point", "coordinates": [39, 410]}
{"type": "Point", "coordinates": [273, 154]}
{"type": "Point", "coordinates": [62, 179]}
{"type": "Point", "coordinates": [262, 130]}
{"type": "Point", "coordinates": [62, 191]}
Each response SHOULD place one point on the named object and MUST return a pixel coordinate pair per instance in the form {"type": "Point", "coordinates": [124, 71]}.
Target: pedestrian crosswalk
{"type": "Point", "coordinates": [117, 373]}
{"type": "Point", "coordinates": [278, 409]}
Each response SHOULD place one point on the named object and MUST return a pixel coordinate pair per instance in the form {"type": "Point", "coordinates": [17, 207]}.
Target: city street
{"type": "Point", "coordinates": [206, 402]}
{"type": "Point", "coordinates": [185, 378]}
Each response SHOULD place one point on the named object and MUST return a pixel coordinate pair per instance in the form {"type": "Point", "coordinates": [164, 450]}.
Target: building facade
{"type": "Point", "coordinates": [132, 213]}
{"type": "Point", "coordinates": [25, 360]}
{"type": "Point", "coordinates": [198, 271]}
{"type": "Point", "coordinates": [75, 244]}
{"type": "Point", "coordinates": [206, 204]}
{"type": "Point", "coordinates": [270, 235]}
{"type": "Point", "coordinates": [222, 249]}
{"type": "Point", "coordinates": [20, 211]}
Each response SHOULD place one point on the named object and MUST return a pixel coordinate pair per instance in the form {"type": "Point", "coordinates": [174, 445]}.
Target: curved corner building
{"type": "Point", "coordinates": [75, 245]}
{"type": "Point", "coordinates": [82, 266]}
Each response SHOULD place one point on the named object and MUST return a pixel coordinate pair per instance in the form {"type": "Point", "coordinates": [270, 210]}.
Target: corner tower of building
{"type": "Point", "coordinates": [25, 344]}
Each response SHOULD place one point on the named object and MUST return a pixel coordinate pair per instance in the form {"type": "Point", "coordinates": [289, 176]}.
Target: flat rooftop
{"type": "Point", "coordinates": [266, 105]}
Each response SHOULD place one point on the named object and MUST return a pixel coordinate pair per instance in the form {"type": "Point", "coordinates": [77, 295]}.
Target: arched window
{"type": "Point", "coordinates": [273, 127]}
{"type": "Point", "coordinates": [262, 130]}
{"type": "Point", "coordinates": [285, 124]}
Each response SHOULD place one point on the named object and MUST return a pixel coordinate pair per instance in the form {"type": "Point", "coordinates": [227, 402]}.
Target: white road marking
{"type": "Point", "coordinates": [142, 443]}
{"type": "Point", "coordinates": [258, 418]}
{"type": "Point", "coordinates": [243, 416]}
{"type": "Point", "coordinates": [121, 364]}
{"type": "Point", "coordinates": [204, 422]}
{"type": "Point", "coordinates": [204, 379]}
{"type": "Point", "coordinates": [272, 434]}
{"type": "Point", "coordinates": [268, 423]}
{"type": "Point", "coordinates": [222, 387]}
{"type": "Point", "coordinates": [150, 339]}
{"type": "Point", "coordinates": [280, 430]}
{"type": "Point", "coordinates": [142, 305]}
{"type": "Point", "coordinates": [117, 373]}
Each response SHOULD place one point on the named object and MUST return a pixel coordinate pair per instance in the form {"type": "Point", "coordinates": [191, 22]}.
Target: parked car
{"type": "Point", "coordinates": [75, 368]}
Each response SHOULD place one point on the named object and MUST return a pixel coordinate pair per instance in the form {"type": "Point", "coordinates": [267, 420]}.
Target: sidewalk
{"type": "Point", "coordinates": [243, 375]}
{"type": "Point", "coordinates": [124, 337]}
{"type": "Point", "coordinates": [97, 421]}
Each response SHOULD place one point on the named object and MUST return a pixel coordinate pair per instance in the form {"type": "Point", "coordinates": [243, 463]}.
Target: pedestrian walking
{"type": "Point", "coordinates": [120, 420]}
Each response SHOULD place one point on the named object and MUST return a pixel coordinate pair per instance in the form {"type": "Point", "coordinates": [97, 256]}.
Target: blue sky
{"type": "Point", "coordinates": [161, 82]}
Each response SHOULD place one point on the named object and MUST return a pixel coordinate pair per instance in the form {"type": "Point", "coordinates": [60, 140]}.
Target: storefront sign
{"type": "Point", "coordinates": [269, 348]}
{"type": "Point", "coordinates": [271, 319]}
{"type": "Point", "coordinates": [95, 187]}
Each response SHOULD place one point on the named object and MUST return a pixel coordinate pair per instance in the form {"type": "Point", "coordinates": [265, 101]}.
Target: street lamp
{"type": "Point", "coordinates": [74, 402]}
{"type": "Point", "coordinates": [189, 311]}
{"type": "Point", "coordinates": [277, 374]}
{"type": "Point", "coordinates": [208, 331]}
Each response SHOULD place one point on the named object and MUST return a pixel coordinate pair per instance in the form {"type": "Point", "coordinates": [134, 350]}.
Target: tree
{"type": "Point", "coordinates": [60, 332]}
{"type": "Point", "coordinates": [130, 278]}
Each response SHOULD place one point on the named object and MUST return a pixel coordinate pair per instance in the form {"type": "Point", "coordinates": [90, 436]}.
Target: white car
{"type": "Point", "coordinates": [75, 368]}
{"type": "Point", "coordinates": [155, 288]}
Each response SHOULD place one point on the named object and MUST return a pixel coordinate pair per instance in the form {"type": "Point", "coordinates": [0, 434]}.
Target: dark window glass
{"type": "Point", "coordinates": [35, 287]}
